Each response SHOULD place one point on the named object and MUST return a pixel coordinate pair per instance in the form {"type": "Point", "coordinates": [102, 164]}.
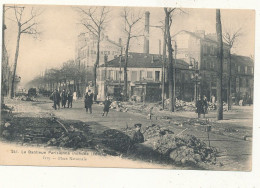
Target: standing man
{"type": "Point", "coordinates": [200, 107]}
{"type": "Point", "coordinates": [63, 98]}
{"type": "Point", "coordinates": [56, 99]}
{"type": "Point", "coordinates": [70, 98]}
{"type": "Point", "coordinates": [88, 101]}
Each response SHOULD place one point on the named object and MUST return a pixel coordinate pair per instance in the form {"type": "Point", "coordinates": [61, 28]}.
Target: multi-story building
{"type": "Point", "coordinates": [200, 50]}
{"type": "Point", "coordinates": [86, 54]}
{"type": "Point", "coordinates": [87, 50]}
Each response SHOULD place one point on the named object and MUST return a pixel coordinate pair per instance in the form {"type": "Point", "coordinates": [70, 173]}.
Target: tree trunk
{"type": "Point", "coordinates": [3, 58]}
{"type": "Point", "coordinates": [125, 68]}
{"type": "Point", "coordinates": [163, 67]}
{"type": "Point", "coordinates": [220, 62]}
{"type": "Point", "coordinates": [16, 59]}
{"type": "Point", "coordinates": [229, 99]}
{"type": "Point", "coordinates": [95, 68]}
{"type": "Point", "coordinates": [170, 68]}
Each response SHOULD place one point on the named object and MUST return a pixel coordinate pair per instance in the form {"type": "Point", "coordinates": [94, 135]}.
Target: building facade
{"type": "Point", "coordinates": [200, 51]}
{"type": "Point", "coordinates": [86, 53]}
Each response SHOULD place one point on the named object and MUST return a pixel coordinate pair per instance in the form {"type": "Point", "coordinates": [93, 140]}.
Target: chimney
{"type": "Point", "coordinates": [146, 32]}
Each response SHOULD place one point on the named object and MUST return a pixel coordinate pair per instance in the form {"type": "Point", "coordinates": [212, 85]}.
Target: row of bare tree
{"type": "Point", "coordinates": [69, 74]}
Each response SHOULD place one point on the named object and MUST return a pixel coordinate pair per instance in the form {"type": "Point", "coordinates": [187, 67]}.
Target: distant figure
{"type": "Point", "coordinates": [88, 101]}
{"type": "Point", "coordinates": [56, 99]}
{"type": "Point", "coordinates": [205, 105]}
{"type": "Point", "coordinates": [74, 95]}
{"type": "Point", "coordinates": [200, 105]}
{"type": "Point", "coordinates": [250, 101]}
{"type": "Point", "coordinates": [138, 137]}
{"type": "Point", "coordinates": [70, 98]}
{"type": "Point", "coordinates": [63, 98]}
{"type": "Point", "coordinates": [107, 104]}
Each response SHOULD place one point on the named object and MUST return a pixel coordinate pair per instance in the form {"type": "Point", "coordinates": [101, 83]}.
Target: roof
{"type": "Point", "coordinates": [244, 60]}
{"type": "Point", "coordinates": [143, 60]}
{"type": "Point", "coordinates": [208, 37]}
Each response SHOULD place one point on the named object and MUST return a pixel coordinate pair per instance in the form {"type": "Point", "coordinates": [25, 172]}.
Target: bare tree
{"type": "Point", "coordinates": [168, 21]}
{"type": "Point", "coordinates": [220, 62]}
{"type": "Point", "coordinates": [230, 38]}
{"type": "Point", "coordinates": [131, 20]}
{"type": "Point", "coordinates": [26, 25]}
{"type": "Point", "coordinates": [95, 20]}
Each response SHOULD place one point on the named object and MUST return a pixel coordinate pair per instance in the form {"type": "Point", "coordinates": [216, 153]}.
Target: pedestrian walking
{"type": "Point", "coordinates": [55, 96]}
{"type": "Point", "coordinates": [200, 107]}
{"type": "Point", "coordinates": [107, 104]}
{"type": "Point", "coordinates": [70, 98]}
{"type": "Point", "coordinates": [63, 98]}
{"type": "Point", "coordinates": [88, 101]}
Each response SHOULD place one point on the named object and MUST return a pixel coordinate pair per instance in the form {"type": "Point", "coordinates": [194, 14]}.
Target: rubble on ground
{"type": "Point", "coordinates": [185, 149]}
{"type": "Point", "coordinates": [116, 140]}
{"type": "Point", "coordinates": [45, 131]}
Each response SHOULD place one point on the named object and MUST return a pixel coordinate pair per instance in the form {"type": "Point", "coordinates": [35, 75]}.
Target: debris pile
{"type": "Point", "coordinates": [155, 131]}
{"type": "Point", "coordinates": [185, 149]}
{"type": "Point", "coordinates": [47, 131]}
{"type": "Point", "coordinates": [116, 140]}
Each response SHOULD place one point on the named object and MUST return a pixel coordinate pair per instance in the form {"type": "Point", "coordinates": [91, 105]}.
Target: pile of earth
{"type": "Point", "coordinates": [181, 149]}
{"type": "Point", "coordinates": [185, 149]}
{"type": "Point", "coordinates": [47, 131]}
{"type": "Point", "coordinates": [114, 142]}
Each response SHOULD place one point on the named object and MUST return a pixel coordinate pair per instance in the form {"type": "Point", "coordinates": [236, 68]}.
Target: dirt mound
{"type": "Point", "coordinates": [185, 149]}
{"type": "Point", "coordinates": [116, 140]}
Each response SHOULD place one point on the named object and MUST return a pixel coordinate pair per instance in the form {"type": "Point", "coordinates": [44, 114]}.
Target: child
{"type": "Point", "coordinates": [107, 104]}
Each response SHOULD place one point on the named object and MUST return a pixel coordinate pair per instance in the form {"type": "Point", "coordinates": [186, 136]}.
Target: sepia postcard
{"type": "Point", "coordinates": [127, 87]}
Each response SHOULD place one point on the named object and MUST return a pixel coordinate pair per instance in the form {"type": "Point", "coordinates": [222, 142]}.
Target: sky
{"type": "Point", "coordinates": [59, 27]}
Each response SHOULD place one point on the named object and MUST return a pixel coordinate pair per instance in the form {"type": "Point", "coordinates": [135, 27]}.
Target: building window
{"type": "Point", "coordinates": [238, 69]}
{"type": "Point", "coordinates": [149, 74]}
{"type": "Point", "coordinates": [245, 69]}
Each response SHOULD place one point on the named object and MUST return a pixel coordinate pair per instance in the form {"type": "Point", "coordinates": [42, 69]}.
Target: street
{"type": "Point", "coordinates": [234, 152]}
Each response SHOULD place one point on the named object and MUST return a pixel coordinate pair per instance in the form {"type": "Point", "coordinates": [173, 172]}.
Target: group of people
{"type": "Point", "coordinates": [65, 97]}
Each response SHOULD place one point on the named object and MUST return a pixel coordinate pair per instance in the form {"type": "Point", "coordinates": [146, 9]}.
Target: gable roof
{"type": "Point", "coordinates": [143, 60]}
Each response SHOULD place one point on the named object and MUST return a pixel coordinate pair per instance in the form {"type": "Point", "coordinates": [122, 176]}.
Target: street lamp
{"type": "Point", "coordinates": [195, 77]}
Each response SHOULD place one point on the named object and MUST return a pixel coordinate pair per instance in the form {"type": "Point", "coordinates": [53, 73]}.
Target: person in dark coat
{"type": "Point", "coordinates": [88, 101]}
{"type": "Point", "coordinates": [107, 104]}
{"type": "Point", "coordinates": [70, 98]}
{"type": "Point", "coordinates": [63, 98]}
{"type": "Point", "coordinates": [200, 105]}
{"type": "Point", "coordinates": [56, 99]}
{"type": "Point", "coordinates": [138, 137]}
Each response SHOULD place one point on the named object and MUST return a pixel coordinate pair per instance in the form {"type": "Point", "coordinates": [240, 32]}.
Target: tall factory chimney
{"type": "Point", "coordinates": [146, 32]}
